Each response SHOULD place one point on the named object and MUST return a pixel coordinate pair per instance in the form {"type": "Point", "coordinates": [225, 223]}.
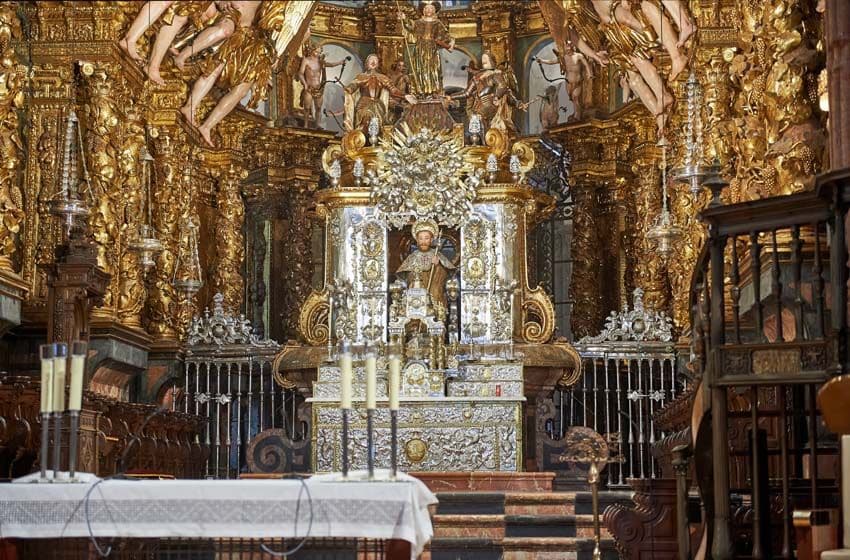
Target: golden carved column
{"type": "Point", "coordinates": [52, 96]}
{"type": "Point", "coordinates": [298, 269]}
{"type": "Point", "coordinates": [100, 116]}
{"type": "Point", "coordinates": [650, 274]}
{"type": "Point", "coordinates": [496, 31]}
{"type": "Point", "coordinates": [131, 285]}
{"type": "Point", "coordinates": [12, 75]}
{"type": "Point", "coordinates": [12, 287]}
{"type": "Point", "coordinates": [584, 285]}
{"type": "Point", "coordinates": [227, 273]}
{"type": "Point", "coordinates": [389, 41]}
{"type": "Point", "coordinates": [779, 141]}
{"type": "Point", "coordinates": [170, 158]}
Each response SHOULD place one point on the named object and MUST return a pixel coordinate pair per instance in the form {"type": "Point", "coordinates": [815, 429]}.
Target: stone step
{"type": "Point", "coordinates": [540, 503]}
{"type": "Point", "coordinates": [481, 481]}
{"type": "Point", "coordinates": [469, 526]}
{"type": "Point", "coordinates": [463, 549]}
{"type": "Point", "coordinates": [563, 548]}
{"type": "Point", "coordinates": [540, 526]}
{"type": "Point", "coordinates": [517, 548]}
{"type": "Point", "coordinates": [471, 503]}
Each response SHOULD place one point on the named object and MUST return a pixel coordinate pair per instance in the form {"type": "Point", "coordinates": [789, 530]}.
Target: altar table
{"type": "Point", "coordinates": [248, 509]}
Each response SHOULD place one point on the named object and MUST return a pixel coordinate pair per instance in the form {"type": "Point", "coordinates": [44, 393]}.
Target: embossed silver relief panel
{"type": "Point", "coordinates": [453, 436]}
{"type": "Point", "coordinates": [488, 249]}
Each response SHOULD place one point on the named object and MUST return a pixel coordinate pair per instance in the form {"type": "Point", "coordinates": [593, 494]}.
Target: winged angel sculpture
{"type": "Point", "coordinates": [251, 37]}
{"type": "Point", "coordinates": [625, 33]}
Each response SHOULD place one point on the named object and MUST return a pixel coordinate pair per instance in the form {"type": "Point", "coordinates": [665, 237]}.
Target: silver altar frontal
{"type": "Point", "coordinates": [474, 426]}
{"type": "Point", "coordinates": [425, 259]}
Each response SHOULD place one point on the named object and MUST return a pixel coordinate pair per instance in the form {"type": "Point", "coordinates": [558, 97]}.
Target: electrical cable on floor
{"type": "Point", "coordinates": [299, 546]}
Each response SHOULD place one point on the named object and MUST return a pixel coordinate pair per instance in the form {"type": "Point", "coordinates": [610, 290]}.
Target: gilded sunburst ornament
{"type": "Point", "coordinates": [423, 175]}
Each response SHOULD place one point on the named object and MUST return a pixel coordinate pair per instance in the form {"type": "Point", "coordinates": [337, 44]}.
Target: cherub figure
{"type": "Point", "coordinates": [313, 76]}
{"type": "Point", "coordinates": [577, 72]}
{"type": "Point", "coordinates": [549, 108]}
{"type": "Point", "coordinates": [246, 59]}
{"type": "Point", "coordinates": [176, 14]}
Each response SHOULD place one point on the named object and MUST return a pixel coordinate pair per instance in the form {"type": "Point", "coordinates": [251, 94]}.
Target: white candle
{"type": "Point", "coordinates": [371, 380]}
{"type": "Point", "coordinates": [345, 375]}
{"type": "Point", "coordinates": [78, 364]}
{"type": "Point", "coordinates": [394, 381]}
{"type": "Point", "coordinates": [46, 378]}
{"type": "Point", "coordinates": [59, 366]}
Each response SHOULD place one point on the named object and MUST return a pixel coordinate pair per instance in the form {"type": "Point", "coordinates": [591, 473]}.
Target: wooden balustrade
{"type": "Point", "coordinates": [169, 444]}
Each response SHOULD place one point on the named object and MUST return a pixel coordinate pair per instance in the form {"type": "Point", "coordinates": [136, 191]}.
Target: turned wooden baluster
{"type": "Point", "coordinates": [838, 284]}
{"type": "Point", "coordinates": [756, 474]}
{"type": "Point", "coordinates": [755, 262]}
{"type": "Point", "coordinates": [783, 458]}
{"type": "Point", "coordinates": [777, 289]}
{"type": "Point", "coordinates": [735, 278]}
{"type": "Point", "coordinates": [819, 294]}
{"type": "Point", "coordinates": [813, 443]}
{"type": "Point", "coordinates": [721, 548]}
{"type": "Point", "coordinates": [797, 271]}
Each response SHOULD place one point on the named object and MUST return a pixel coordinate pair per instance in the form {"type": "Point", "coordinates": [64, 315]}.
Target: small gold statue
{"type": "Point", "coordinates": [427, 267]}
{"type": "Point", "coordinates": [374, 91]}
{"type": "Point", "coordinates": [428, 35]}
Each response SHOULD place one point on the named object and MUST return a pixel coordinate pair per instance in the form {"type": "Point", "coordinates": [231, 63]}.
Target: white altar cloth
{"type": "Point", "coordinates": [222, 509]}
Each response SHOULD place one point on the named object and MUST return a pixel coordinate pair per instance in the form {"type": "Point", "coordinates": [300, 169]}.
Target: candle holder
{"type": "Point", "coordinates": [45, 440]}
{"type": "Point", "coordinates": [47, 352]}
{"type": "Point", "coordinates": [345, 413]}
{"type": "Point", "coordinates": [74, 439]}
{"type": "Point", "coordinates": [61, 353]}
{"type": "Point", "coordinates": [57, 444]}
{"type": "Point", "coordinates": [393, 443]}
{"type": "Point", "coordinates": [370, 442]}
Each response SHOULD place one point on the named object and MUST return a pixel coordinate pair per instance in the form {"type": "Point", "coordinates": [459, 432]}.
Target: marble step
{"type": "Point", "coordinates": [463, 548]}
{"type": "Point", "coordinates": [501, 481]}
{"type": "Point", "coordinates": [540, 526]}
{"type": "Point", "coordinates": [471, 503]}
{"type": "Point", "coordinates": [469, 526]}
{"type": "Point", "coordinates": [552, 548]}
{"type": "Point", "coordinates": [517, 548]}
{"type": "Point", "coordinates": [540, 503]}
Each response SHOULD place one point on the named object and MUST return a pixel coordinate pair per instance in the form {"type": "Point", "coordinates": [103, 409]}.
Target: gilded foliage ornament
{"type": "Point", "coordinates": [420, 176]}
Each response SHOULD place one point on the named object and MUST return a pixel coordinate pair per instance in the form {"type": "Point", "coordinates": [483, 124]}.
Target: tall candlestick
{"type": "Point", "coordinates": [371, 380]}
{"type": "Point", "coordinates": [47, 351]}
{"type": "Point", "coordinates": [345, 375]}
{"type": "Point", "coordinates": [78, 366]}
{"type": "Point", "coordinates": [75, 401]}
{"type": "Point", "coordinates": [394, 381]}
{"type": "Point", "coordinates": [60, 362]}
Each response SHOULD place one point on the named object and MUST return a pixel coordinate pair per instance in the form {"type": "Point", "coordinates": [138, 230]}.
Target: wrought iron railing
{"type": "Point", "coordinates": [228, 378]}
{"type": "Point", "coordinates": [629, 373]}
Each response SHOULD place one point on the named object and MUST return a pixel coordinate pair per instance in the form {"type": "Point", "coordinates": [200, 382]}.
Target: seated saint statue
{"type": "Point", "coordinates": [427, 267]}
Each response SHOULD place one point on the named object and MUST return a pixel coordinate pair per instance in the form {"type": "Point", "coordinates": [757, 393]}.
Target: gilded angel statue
{"type": "Point", "coordinates": [260, 34]}
{"type": "Point", "coordinates": [176, 14]}
{"type": "Point", "coordinates": [626, 33]}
